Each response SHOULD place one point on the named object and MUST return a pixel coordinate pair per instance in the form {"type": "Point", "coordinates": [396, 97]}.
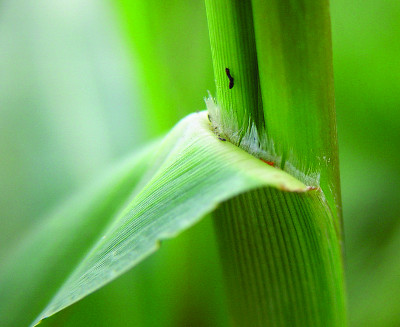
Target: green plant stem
{"type": "Point", "coordinates": [281, 252]}
{"type": "Point", "coordinates": [280, 55]}
{"type": "Point", "coordinates": [233, 46]}
{"type": "Point", "coordinates": [294, 51]}
{"type": "Point", "coordinates": [281, 272]}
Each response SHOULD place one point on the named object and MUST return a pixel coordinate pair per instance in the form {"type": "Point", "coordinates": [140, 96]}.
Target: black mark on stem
{"type": "Point", "coordinates": [228, 73]}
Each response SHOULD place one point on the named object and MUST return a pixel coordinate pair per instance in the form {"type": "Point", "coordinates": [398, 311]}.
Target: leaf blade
{"type": "Point", "coordinates": [183, 177]}
{"type": "Point", "coordinates": [200, 192]}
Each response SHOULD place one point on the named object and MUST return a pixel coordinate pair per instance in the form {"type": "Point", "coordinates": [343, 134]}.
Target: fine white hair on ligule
{"type": "Point", "coordinates": [226, 126]}
{"type": "Point", "coordinates": [249, 140]}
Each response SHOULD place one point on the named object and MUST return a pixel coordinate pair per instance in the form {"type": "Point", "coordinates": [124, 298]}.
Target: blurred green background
{"type": "Point", "coordinates": [85, 83]}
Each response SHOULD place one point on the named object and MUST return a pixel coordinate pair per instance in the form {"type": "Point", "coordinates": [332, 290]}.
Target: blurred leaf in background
{"type": "Point", "coordinates": [66, 106]}
{"type": "Point", "coordinates": [366, 47]}
{"type": "Point", "coordinates": [169, 42]}
{"type": "Point", "coordinates": [83, 83]}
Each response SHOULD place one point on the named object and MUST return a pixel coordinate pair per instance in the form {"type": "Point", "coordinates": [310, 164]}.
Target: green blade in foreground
{"type": "Point", "coordinates": [155, 196]}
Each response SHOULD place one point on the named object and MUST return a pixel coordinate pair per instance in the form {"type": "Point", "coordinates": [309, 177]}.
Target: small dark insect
{"type": "Point", "coordinates": [228, 73]}
{"type": "Point", "coordinates": [222, 139]}
{"type": "Point", "coordinates": [209, 117]}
